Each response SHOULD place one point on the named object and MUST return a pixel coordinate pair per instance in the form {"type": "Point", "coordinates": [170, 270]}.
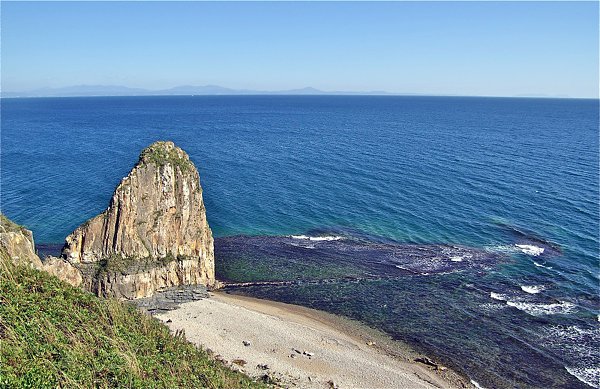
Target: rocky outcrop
{"type": "Point", "coordinates": [144, 279]}
{"type": "Point", "coordinates": [137, 285]}
{"type": "Point", "coordinates": [154, 233]}
{"type": "Point", "coordinates": [17, 243]}
{"type": "Point", "coordinates": [63, 270]}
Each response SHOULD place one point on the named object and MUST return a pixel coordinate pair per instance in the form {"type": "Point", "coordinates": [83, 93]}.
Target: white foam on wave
{"type": "Point", "coordinates": [540, 265]}
{"type": "Point", "coordinates": [573, 333]}
{"type": "Point", "coordinates": [476, 384]}
{"type": "Point", "coordinates": [491, 307]}
{"type": "Point", "coordinates": [303, 246]}
{"type": "Point", "coordinates": [528, 249]}
{"type": "Point", "coordinates": [573, 336]}
{"type": "Point", "coordinates": [533, 289]}
{"type": "Point", "coordinates": [588, 375]}
{"type": "Point", "coordinates": [317, 238]}
{"type": "Point", "coordinates": [498, 296]}
{"type": "Point", "coordinates": [457, 258]}
{"type": "Point", "coordinates": [500, 249]}
{"type": "Point", "coordinates": [532, 250]}
{"type": "Point", "coordinates": [537, 309]}
{"type": "Point", "coordinates": [581, 344]}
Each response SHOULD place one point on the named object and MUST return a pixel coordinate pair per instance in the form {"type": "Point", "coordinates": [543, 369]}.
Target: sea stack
{"type": "Point", "coordinates": [154, 233]}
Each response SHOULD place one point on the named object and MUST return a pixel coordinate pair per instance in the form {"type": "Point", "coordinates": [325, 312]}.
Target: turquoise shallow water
{"type": "Point", "coordinates": [487, 174]}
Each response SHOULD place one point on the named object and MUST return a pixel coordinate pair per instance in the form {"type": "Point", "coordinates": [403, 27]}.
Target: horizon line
{"type": "Point", "coordinates": [351, 94]}
{"type": "Point", "coordinates": [114, 90]}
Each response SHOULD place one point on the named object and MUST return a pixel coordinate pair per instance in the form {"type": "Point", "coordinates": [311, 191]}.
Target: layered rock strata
{"type": "Point", "coordinates": [154, 233]}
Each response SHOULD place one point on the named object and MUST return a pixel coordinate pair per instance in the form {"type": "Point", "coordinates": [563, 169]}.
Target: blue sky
{"type": "Point", "coordinates": [466, 48]}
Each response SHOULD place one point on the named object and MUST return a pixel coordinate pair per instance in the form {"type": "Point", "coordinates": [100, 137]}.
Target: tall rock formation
{"type": "Point", "coordinates": [154, 233]}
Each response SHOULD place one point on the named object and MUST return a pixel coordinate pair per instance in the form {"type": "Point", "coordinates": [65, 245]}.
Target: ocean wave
{"type": "Point", "coordinates": [303, 246]}
{"type": "Point", "coordinates": [532, 289]}
{"type": "Point", "coordinates": [365, 257]}
{"type": "Point", "coordinates": [575, 337]}
{"type": "Point", "coordinates": [316, 238]}
{"type": "Point", "coordinates": [576, 331]}
{"type": "Point", "coordinates": [534, 251]}
{"type": "Point", "coordinates": [588, 375]}
{"type": "Point", "coordinates": [531, 242]}
{"type": "Point", "coordinates": [491, 307]}
{"type": "Point", "coordinates": [535, 308]}
{"type": "Point", "coordinates": [504, 249]}
{"type": "Point", "coordinates": [476, 384]}
{"type": "Point", "coordinates": [529, 249]}
{"type": "Point", "coordinates": [581, 344]}
{"type": "Point", "coordinates": [539, 309]}
{"type": "Point", "coordinates": [540, 265]}
{"type": "Point", "coordinates": [498, 296]}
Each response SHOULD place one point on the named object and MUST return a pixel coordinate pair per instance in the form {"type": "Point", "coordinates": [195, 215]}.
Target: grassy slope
{"type": "Point", "coordinates": [53, 335]}
{"type": "Point", "coordinates": [9, 225]}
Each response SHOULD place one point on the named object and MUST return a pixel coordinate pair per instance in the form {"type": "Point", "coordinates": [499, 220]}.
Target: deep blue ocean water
{"type": "Point", "coordinates": [466, 226]}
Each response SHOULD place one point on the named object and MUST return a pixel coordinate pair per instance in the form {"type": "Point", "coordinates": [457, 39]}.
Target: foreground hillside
{"type": "Point", "coordinates": [54, 335]}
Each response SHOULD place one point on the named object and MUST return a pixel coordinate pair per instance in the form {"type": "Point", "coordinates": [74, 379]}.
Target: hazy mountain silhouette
{"type": "Point", "coordinates": [183, 90]}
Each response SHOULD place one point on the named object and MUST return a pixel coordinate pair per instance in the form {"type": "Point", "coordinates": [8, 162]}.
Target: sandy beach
{"type": "Point", "coordinates": [302, 347]}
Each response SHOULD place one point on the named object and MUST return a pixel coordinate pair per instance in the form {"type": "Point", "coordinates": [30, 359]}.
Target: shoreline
{"type": "Point", "coordinates": [298, 346]}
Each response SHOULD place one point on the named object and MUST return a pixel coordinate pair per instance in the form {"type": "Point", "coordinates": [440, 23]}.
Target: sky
{"type": "Point", "coordinates": [434, 48]}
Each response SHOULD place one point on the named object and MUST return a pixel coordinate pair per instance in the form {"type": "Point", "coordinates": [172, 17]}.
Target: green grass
{"type": "Point", "coordinates": [129, 265]}
{"type": "Point", "coordinates": [9, 225]}
{"type": "Point", "coordinates": [53, 335]}
{"type": "Point", "coordinates": [159, 155]}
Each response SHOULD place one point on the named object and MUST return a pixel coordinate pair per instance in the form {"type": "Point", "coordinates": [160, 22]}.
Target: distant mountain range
{"type": "Point", "coordinates": [183, 90]}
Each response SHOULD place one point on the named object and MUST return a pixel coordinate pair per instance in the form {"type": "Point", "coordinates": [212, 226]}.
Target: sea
{"type": "Point", "coordinates": [467, 227]}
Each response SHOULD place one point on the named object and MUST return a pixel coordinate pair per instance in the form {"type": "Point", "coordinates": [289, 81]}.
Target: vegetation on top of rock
{"type": "Point", "coordinates": [10, 226]}
{"type": "Point", "coordinates": [116, 263]}
{"type": "Point", "coordinates": [53, 335]}
{"type": "Point", "coordinates": [166, 153]}
{"type": "Point", "coordinates": [155, 214]}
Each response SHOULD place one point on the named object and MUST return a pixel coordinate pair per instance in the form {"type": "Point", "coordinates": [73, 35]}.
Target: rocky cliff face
{"type": "Point", "coordinates": [17, 243]}
{"type": "Point", "coordinates": [63, 270]}
{"type": "Point", "coordinates": [154, 233]}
